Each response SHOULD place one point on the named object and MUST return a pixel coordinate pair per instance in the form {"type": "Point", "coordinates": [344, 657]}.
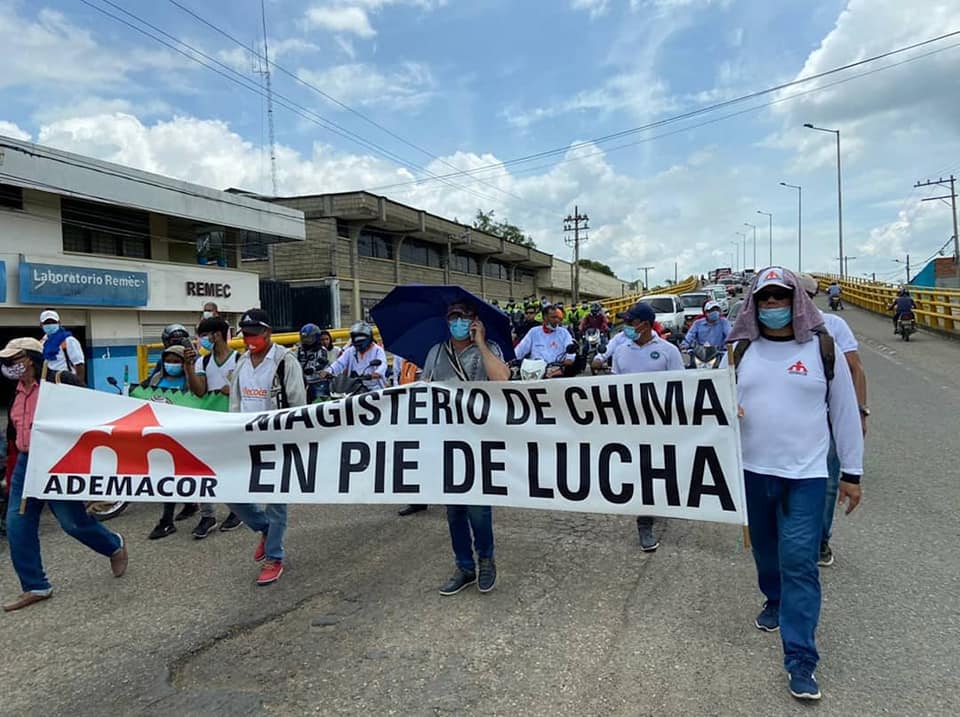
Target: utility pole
{"type": "Point", "coordinates": [754, 267]}
{"type": "Point", "coordinates": [907, 262]}
{"type": "Point", "coordinates": [675, 276]}
{"type": "Point", "coordinates": [266, 75]}
{"type": "Point", "coordinates": [769, 215]}
{"type": "Point", "coordinates": [846, 263]}
{"type": "Point", "coordinates": [646, 275]}
{"type": "Point", "coordinates": [953, 208]}
{"type": "Point", "coordinates": [574, 223]}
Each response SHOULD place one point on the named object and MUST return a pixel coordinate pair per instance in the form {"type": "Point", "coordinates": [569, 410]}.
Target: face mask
{"type": "Point", "coordinates": [630, 332]}
{"type": "Point", "coordinates": [172, 369]}
{"type": "Point", "coordinates": [460, 329]}
{"type": "Point", "coordinates": [362, 344]}
{"type": "Point", "coordinates": [208, 314]}
{"type": "Point", "coordinates": [207, 343]}
{"type": "Point", "coordinates": [713, 316]}
{"type": "Point", "coordinates": [255, 344]}
{"type": "Point", "coordinates": [51, 329]}
{"type": "Point", "coordinates": [776, 318]}
{"type": "Point", "coordinates": [15, 372]}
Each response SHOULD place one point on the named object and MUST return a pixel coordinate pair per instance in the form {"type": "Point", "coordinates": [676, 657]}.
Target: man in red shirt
{"type": "Point", "coordinates": [22, 361]}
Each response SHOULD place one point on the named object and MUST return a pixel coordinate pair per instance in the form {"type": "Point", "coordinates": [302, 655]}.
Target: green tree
{"type": "Point", "coordinates": [485, 221]}
{"type": "Point", "coordinates": [597, 266]}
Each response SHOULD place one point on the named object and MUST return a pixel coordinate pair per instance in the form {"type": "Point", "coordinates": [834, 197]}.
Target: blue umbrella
{"type": "Point", "coordinates": [413, 318]}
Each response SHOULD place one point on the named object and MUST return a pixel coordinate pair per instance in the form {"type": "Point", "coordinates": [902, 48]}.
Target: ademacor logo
{"type": "Point", "coordinates": [128, 439]}
{"type": "Point", "coordinates": [797, 369]}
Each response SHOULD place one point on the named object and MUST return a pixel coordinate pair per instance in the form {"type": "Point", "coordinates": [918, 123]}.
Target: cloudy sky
{"type": "Point", "coordinates": [378, 94]}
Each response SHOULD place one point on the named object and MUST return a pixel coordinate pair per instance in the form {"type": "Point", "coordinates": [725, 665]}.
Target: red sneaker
{"type": "Point", "coordinates": [270, 572]}
{"type": "Point", "coordinates": [260, 554]}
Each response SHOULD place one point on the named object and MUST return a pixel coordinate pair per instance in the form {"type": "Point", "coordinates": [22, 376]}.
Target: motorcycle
{"type": "Point", "coordinates": [593, 344]}
{"type": "Point", "coordinates": [530, 369]}
{"type": "Point", "coordinates": [704, 356]}
{"type": "Point", "coordinates": [835, 302]}
{"type": "Point", "coordinates": [906, 325]}
{"type": "Point", "coordinates": [346, 385]}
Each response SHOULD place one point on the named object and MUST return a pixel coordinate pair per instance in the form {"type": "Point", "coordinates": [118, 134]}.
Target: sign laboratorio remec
{"type": "Point", "coordinates": [664, 444]}
{"type": "Point", "coordinates": [84, 286]}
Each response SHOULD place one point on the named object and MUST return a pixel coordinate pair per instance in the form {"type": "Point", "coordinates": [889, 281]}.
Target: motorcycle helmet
{"type": "Point", "coordinates": [361, 334]}
{"type": "Point", "coordinates": [309, 335]}
{"type": "Point", "coordinates": [595, 308]}
{"type": "Point", "coordinates": [173, 332]}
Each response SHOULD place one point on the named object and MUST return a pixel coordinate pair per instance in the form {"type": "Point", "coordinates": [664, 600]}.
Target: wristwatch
{"type": "Point", "coordinates": [864, 410]}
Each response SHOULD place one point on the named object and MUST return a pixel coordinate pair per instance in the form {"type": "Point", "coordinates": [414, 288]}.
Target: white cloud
{"type": "Point", "coordinates": [405, 87]}
{"type": "Point", "coordinates": [353, 16]}
{"type": "Point", "coordinates": [9, 129]}
{"type": "Point", "coordinates": [596, 8]}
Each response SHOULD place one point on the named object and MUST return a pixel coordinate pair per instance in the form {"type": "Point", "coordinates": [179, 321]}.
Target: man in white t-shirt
{"type": "Point", "coordinates": [642, 350]}
{"type": "Point", "coordinates": [212, 373]}
{"type": "Point", "coordinates": [267, 377]}
{"type": "Point", "coordinates": [61, 350]}
{"type": "Point", "coordinates": [847, 345]}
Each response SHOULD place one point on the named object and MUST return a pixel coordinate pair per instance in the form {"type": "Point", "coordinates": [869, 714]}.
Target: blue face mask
{"type": "Point", "coordinates": [51, 329]}
{"type": "Point", "coordinates": [362, 344]}
{"type": "Point", "coordinates": [713, 316]}
{"type": "Point", "coordinates": [460, 329]}
{"type": "Point", "coordinates": [172, 369]}
{"type": "Point", "coordinates": [207, 343]}
{"type": "Point", "coordinates": [630, 332]}
{"type": "Point", "coordinates": [775, 318]}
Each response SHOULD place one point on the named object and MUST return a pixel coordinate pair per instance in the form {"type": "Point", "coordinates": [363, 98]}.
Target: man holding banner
{"type": "Point", "coordinates": [267, 377]}
{"type": "Point", "coordinates": [643, 350]}
{"type": "Point", "coordinates": [793, 393]}
{"type": "Point", "coordinates": [468, 356]}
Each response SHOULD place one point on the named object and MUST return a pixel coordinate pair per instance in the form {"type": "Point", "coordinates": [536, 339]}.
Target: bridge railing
{"type": "Point", "coordinates": [938, 309]}
{"type": "Point", "coordinates": [617, 304]}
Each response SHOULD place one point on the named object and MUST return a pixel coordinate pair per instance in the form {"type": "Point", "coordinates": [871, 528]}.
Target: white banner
{"type": "Point", "coordinates": [664, 444]}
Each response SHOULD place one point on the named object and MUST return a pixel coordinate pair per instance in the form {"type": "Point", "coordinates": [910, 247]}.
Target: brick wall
{"type": "Point", "coordinates": [309, 259]}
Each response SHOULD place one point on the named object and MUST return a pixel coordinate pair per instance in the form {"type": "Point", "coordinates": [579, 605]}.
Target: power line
{"type": "Point", "coordinates": [294, 76]}
{"type": "Point", "coordinates": [287, 103]}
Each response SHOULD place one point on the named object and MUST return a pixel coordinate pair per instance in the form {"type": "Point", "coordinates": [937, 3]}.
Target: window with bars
{"type": "Point", "coordinates": [11, 197]}
{"type": "Point", "coordinates": [421, 253]}
{"type": "Point", "coordinates": [375, 244]}
{"type": "Point", "coordinates": [91, 228]}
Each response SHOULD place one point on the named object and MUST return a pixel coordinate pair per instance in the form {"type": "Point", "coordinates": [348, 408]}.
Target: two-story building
{"type": "Point", "coordinates": [121, 253]}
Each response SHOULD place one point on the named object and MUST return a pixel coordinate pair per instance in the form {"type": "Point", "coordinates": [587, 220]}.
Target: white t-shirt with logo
{"type": "Point", "coordinates": [655, 355]}
{"type": "Point", "coordinates": [784, 432]}
{"type": "Point", "coordinates": [218, 375]}
{"type": "Point", "coordinates": [74, 352]}
{"type": "Point", "coordinates": [256, 383]}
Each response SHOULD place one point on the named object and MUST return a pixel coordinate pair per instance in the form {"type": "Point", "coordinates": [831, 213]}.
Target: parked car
{"type": "Point", "coordinates": [693, 304]}
{"type": "Point", "coordinates": [668, 309]}
{"type": "Point", "coordinates": [735, 310]}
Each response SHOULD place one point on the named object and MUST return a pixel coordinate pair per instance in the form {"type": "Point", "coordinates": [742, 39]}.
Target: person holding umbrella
{"type": "Point", "coordinates": [467, 355]}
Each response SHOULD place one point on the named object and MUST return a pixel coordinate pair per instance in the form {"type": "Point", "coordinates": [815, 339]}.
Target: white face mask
{"type": "Point", "coordinates": [14, 372]}
{"type": "Point", "coordinates": [208, 314]}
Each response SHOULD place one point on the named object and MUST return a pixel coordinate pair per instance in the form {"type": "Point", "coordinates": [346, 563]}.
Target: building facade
{"type": "Point", "coordinates": [360, 245]}
{"type": "Point", "coordinates": [121, 253]}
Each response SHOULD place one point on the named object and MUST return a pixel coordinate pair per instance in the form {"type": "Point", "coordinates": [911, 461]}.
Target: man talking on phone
{"type": "Point", "coordinates": [468, 356]}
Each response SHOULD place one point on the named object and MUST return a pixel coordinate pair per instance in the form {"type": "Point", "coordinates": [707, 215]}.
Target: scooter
{"type": "Point", "coordinates": [593, 344]}
{"type": "Point", "coordinates": [535, 369]}
{"type": "Point", "coordinates": [705, 356]}
{"type": "Point", "coordinates": [835, 302]}
{"type": "Point", "coordinates": [346, 385]}
{"type": "Point", "coordinates": [906, 325]}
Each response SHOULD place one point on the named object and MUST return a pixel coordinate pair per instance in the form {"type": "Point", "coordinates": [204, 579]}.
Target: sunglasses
{"type": "Point", "coordinates": [775, 294]}
{"type": "Point", "coordinates": [455, 315]}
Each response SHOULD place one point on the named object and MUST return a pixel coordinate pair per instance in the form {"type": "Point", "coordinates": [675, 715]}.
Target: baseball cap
{"type": "Point", "coordinates": [175, 349]}
{"type": "Point", "coordinates": [48, 315]}
{"type": "Point", "coordinates": [772, 276]}
{"type": "Point", "coordinates": [711, 304]}
{"type": "Point", "coordinates": [15, 346]}
{"type": "Point", "coordinates": [255, 318]}
{"type": "Point", "coordinates": [638, 312]}
{"type": "Point", "coordinates": [808, 284]}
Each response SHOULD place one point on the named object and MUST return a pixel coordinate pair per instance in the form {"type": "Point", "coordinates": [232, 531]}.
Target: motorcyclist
{"type": "Point", "coordinates": [313, 360]}
{"type": "Point", "coordinates": [596, 319]}
{"type": "Point", "coordinates": [358, 356]}
{"type": "Point", "coordinates": [527, 321]}
{"type": "Point", "coordinates": [903, 304]}
{"type": "Point", "coordinates": [834, 290]}
{"type": "Point", "coordinates": [713, 329]}
{"type": "Point", "coordinates": [548, 342]}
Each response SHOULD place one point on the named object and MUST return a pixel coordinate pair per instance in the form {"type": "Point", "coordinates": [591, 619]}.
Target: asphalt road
{"type": "Point", "coordinates": [581, 622]}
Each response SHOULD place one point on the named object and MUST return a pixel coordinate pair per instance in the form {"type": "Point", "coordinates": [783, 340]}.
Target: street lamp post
{"type": "Point", "coordinates": [754, 227]}
{"type": "Point", "coordinates": [769, 216]}
{"type": "Point", "coordinates": [799, 222]}
{"type": "Point", "coordinates": [736, 264]}
{"type": "Point", "coordinates": [836, 132]}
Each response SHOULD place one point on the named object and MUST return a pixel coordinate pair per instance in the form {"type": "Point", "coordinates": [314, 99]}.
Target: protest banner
{"type": "Point", "coordinates": [664, 444]}
{"type": "Point", "coordinates": [209, 402]}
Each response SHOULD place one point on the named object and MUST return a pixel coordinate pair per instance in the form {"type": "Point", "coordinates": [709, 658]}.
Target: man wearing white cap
{"type": "Point", "coordinates": [61, 350]}
{"type": "Point", "coordinates": [712, 329]}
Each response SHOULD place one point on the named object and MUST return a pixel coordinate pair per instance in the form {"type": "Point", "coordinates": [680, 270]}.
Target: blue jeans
{"type": "Point", "coordinates": [461, 519]}
{"type": "Point", "coordinates": [23, 531]}
{"type": "Point", "coordinates": [786, 519]}
{"type": "Point", "coordinates": [271, 520]}
{"type": "Point", "coordinates": [833, 487]}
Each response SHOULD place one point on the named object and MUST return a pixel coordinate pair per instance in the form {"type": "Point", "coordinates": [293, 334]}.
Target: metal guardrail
{"type": "Point", "coordinates": [617, 304]}
{"type": "Point", "coordinates": [937, 309]}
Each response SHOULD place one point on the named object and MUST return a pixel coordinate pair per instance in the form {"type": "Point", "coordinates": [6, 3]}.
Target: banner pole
{"type": "Point", "coordinates": [746, 527]}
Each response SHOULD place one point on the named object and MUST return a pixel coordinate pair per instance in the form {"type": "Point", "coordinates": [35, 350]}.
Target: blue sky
{"type": "Point", "coordinates": [481, 82]}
